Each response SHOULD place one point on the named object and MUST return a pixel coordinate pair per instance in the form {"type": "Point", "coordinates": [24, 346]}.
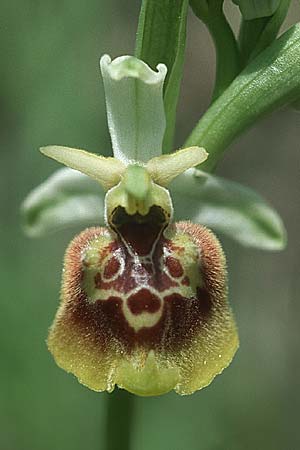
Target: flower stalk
{"type": "Point", "coordinates": [228, 62]}
{"type": "Point", "coordinates": [119, 420]}
{"type": "Point", "coordinates": [161, 37]}
{"type": "Point", "coordinates": [270, 81]}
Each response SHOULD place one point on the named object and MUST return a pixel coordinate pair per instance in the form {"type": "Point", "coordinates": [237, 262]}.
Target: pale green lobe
{"type": "Point", "coordinates": [228, 208]}
{"type": "Point", "coordinates": [135, 108]}
{"type": "Point", "coordinates": [66, 199]}
{"type": "Point", "coordinates": [107, 171]}
{"type": "Point", "coordinates": [254, 9]}
{"type": "Point", "coordinates": [163, 169]}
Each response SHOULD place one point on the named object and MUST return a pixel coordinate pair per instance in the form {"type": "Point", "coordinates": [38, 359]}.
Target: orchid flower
{"type": "Point", "coordinates": [144, 296]}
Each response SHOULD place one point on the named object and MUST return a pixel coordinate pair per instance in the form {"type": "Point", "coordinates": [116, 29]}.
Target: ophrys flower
{"type": "Point", "coordinates": [144, 300]}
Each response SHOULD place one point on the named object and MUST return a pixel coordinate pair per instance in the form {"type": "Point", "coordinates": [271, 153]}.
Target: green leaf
{"type": "Point", "coordinates": [161, 39]}
{"type": "Point", "coordinates": [67, 198]}
{"type": "Point", "coordinates": [271, 80]}
{"type": "Point", "coordinates": [253, 9]}
{"type": "Point", "coordinates": [135, 108]}
{"type": "Point", "coordinates": [228, 208]}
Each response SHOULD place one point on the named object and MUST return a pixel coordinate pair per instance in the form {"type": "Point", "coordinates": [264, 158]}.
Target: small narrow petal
{"type": "Point", "coordinates": [107, 171]}
{"type": "Point", "coordinates": [135, 108]}
{"type": "Point", "coordinates": [163, 169]}
{"type": "Point", "coordinates": [229, 208]}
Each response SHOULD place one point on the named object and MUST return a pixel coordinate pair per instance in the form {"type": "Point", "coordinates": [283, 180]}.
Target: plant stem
{"type": "Point", "coordinates": [270, 81]}
{"type": "Point", "coordinates": [227, 52]}
{"type": "Point", "coordinates": [119, 420]}
{"type": "Point", "coordinates": [250, 32]}
{"type": "Point", "coordinates": [161, 38]}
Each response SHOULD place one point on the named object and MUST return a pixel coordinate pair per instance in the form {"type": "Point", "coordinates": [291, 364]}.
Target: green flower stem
{"type": "Point", "coordinates": [161, 38]}
{"type": "Point", "coordinates": [250, 32]}
{"type": "Point", "coordinates": [256, 35]}
{"type": "Point", "coordinates": [271, 80]}
{"type": "Point", "coordinates": [119, 420]}
{"type": "Point", "coordinates": [227, 52]}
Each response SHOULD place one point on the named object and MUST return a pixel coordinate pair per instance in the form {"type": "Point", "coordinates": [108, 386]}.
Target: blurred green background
{"type": "Point", "coordinates": [51, 93]}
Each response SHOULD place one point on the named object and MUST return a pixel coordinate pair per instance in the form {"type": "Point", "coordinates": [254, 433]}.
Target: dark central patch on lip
{"type": "Point", "coordinates": [143, 301]}
{"type": "Point", "coordinates": [112, 267]}
{"type": "Point", "coordinates": [174, 266]}
{"type": "Point", "coordinates": [140, 232]}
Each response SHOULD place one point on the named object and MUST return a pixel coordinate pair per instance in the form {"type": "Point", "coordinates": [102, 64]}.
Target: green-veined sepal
{"type": "Point", "coordinates": [228, 208]}
{"type": "Point", "coordinates": [65, 200]}
{"type": "Point", "coordinates": [135, 108]}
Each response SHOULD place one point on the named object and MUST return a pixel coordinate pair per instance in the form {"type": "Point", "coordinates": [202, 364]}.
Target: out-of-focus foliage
{"type": "Point", "coordinates": [51, 93]}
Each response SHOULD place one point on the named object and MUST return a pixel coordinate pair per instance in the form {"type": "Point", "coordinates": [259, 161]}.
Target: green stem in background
{"type": "Point", "coordinates": [119, 420]}
{"type": "Point", "coordinates": [256, 35]}
{"type": "Point", "coordinates": [227, 52]}
{"type": "Point", "coordinates": [271, 80]}
{"type": "Point", "coordinates": [249, 34]}
{"type": "Point", "coordinates": [161, 38]}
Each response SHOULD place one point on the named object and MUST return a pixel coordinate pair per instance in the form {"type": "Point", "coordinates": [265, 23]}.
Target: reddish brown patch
{"type": "Point", "coordinates": [143, 301]}
{"type": "Point", "coordinates": [204, 300]}
{"type": "Point", "coordinates": [186, 315]}
{"type": "Point", "coordinates": [98, 280]}
{"type": "Point", "coordinates": [174, 267]}
{"type": "Point", "coordinates": [137, 274]}
{"type": "Point", "coordinates": [112, 267]}
{"type": "Point", "coordinates": [185, 281]}
{"type": "Point", "coordinates": [103, 321]}
{"type": "Point", "coordinates": [140, 236]}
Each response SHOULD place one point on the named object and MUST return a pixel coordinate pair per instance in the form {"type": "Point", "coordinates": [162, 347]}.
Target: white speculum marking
{"type": "Point", "coordinates": [141, 276]}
